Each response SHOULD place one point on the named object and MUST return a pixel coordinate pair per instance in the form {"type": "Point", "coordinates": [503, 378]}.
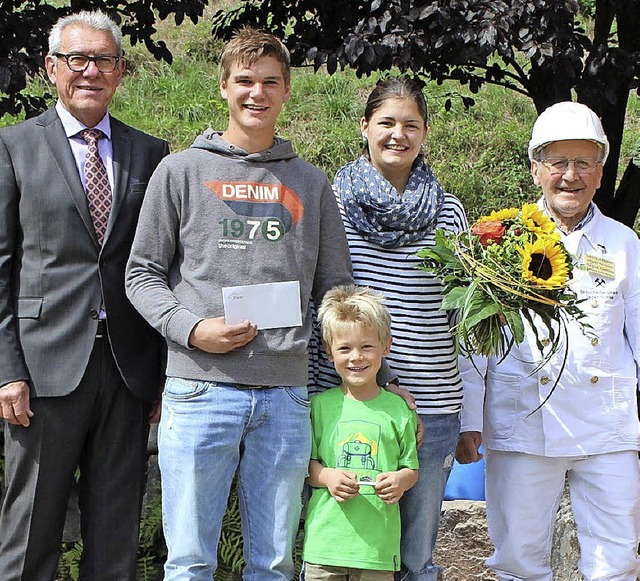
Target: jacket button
{"type": "Point", "coordinates": [545, 341]}
{"type": "Point", "coordinates": [595, 341]}
{"type": "Point", "coordinates": [594, 379]}
{"type": "Point", "coordinates": [94, 314]}
{"type": "Point", "coordinates": [544, 380]}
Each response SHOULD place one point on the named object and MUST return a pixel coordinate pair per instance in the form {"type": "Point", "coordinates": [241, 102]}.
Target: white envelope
{"type": "Point", "coordinates": [270, 306]}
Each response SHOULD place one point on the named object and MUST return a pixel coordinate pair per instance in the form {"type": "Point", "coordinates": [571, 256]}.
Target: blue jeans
{"type": "Point", "coordinates": [208, 431]}
{"type": "Point", "coordinates": [420, 506]}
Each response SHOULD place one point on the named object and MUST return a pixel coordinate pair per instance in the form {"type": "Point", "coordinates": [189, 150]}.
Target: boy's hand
{"type": "Point", "coordinates": [390, 486]}
{"type": "Point", "coordinates": [342, 484]}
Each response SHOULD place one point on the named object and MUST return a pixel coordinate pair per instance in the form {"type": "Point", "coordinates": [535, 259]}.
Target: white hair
{"type": "Point", "coordinates": [97, 20]}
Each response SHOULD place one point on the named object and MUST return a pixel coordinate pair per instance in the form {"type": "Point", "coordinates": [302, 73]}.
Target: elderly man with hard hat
{"type": "Point", "coordinates": [587, 431]}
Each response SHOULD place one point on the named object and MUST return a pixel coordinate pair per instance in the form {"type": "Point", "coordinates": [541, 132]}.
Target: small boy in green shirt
{"type": "Point", "coordinates": [363, 455]}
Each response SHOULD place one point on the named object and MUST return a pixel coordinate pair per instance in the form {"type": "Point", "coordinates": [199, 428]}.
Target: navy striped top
{"type": "Point", "coordinates": [423, 352]}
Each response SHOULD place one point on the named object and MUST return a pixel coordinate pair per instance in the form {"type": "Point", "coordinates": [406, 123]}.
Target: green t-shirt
{"type": "Point", "coordinates": [365, 437]}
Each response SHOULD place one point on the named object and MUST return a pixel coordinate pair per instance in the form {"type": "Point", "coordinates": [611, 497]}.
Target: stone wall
{"type": "Point", "coordinates": [463, 543]}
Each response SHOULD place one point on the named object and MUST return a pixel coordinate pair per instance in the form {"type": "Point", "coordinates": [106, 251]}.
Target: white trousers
{"type": "Point", "coordinates": [523, 494]}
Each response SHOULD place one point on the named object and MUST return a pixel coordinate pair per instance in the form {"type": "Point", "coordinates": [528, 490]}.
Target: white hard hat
{"type": "Point", "coordinates": [567, 121]}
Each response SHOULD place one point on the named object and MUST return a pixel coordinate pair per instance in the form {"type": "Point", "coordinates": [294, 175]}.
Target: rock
{"type": "Point", "coordinates": [463, 543]}
{"type": "Point", "coordinates": [565, 551]}
{"type": "Point", "coordinates": [71, 533]}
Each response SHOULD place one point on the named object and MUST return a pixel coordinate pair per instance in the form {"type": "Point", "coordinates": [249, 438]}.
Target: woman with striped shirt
{"type": "Point", "coordinates": [391, 205]}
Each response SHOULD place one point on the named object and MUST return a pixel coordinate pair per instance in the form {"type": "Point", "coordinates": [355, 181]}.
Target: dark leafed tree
{"type": "Point", "coordinates": [24, 28]}
{"type": "Point", "coordinates": [535, 47]}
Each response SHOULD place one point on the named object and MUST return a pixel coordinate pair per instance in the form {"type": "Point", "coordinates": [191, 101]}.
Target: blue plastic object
{"type": "Point", "coordinates": [466, 481]}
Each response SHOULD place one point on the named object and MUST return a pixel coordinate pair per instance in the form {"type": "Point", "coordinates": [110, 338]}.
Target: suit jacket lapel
{"type": "Point", "coordinates": [122, 152]}
{"type": "Point", "coordinates": [60, 150]}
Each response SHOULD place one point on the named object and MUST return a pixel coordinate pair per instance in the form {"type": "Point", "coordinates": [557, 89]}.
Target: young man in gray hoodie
{"type": "Point", "coordinates": [237, 208]}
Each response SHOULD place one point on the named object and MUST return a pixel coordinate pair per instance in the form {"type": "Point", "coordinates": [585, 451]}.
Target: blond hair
{"type": "Point", "coordinates": [350, 305]}
{"type": "Point", "coordinates": [247, 46]}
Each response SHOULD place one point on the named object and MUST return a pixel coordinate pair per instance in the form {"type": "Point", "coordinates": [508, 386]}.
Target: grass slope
{"type": "Point", "coordinates": [478, 154]}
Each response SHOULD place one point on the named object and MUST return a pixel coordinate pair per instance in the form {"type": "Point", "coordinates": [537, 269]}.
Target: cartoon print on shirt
{"type": "Point", "coordinates": [357, 450]}
{"type": "Point", "coordinates": [356, 454]}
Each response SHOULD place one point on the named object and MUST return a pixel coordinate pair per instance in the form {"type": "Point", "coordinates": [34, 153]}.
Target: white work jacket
{"type": "Point", "coordinates": [593, 407]}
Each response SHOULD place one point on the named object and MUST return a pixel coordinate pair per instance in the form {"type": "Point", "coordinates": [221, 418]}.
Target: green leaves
{"type": "Point", "coordinates": [442, 254]}
{"type": "Point", "coordinates": [455, 298]}
{"type": "Point", "coordinates": [485, 283]}
{"type": "Point", "coordinates": [477, 307]}
{"type": "Point", "coordinates": [24, 30]}
{"type": "Point", "coordinates": [514, 320]}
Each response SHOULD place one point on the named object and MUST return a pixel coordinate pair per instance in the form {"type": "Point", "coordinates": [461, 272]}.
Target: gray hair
{"type": "Point", "coordinates": [97, 20]}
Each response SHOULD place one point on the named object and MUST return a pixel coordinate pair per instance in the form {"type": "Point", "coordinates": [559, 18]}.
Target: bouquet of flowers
{"type": "Point", "coordinates": [509, 266]}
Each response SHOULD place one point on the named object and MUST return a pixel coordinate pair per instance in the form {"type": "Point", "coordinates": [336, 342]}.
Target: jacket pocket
{"type": "Point", "coordinates": [624, 407]}
{"type": "Point", "coordinates": [28, 308]}
{"type": "Point", "coordinates": [502, 404]}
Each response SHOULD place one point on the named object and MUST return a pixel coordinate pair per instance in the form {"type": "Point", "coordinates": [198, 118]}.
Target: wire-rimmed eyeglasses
{"type": "Point", "coordinates": [560, 165]}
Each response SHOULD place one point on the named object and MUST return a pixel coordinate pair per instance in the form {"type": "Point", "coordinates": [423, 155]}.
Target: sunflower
{"type": "Point", "coordinates": [545, 263]}
{"type": "Point", "coordinates": [536, 221]}
{"type": "Point", "coordinates": [500, 215]}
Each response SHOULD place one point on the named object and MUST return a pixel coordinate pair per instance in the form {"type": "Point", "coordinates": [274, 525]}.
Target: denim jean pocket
{"type": "Point", "coordinates": [299, 395]}
{"type": "Point", "coordinates": [177, 388]}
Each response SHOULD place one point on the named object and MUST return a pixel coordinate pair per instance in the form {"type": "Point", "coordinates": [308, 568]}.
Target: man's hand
{"type": "Point", "coordinates": [467, 448]}
{"type": "Point", "coordinates": [215, 336]}
{"type": "Point", "coordinates": [155, 411]}
{"type": "Point", "coordinates": [14, 403]}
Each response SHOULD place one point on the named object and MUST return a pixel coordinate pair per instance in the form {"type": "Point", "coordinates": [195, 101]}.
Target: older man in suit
{"type": "Point", "coordinates": [79, 368]}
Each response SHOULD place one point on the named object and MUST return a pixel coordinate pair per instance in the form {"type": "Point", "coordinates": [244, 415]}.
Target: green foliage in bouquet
{"type": "Point", "coordinates": [510, 266]}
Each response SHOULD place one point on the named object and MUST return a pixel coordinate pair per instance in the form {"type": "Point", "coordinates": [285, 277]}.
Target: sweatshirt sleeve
{"type": "Point", "coordinates": [153, 251]}
{"type": "Point", "coordinates": [333, 267]}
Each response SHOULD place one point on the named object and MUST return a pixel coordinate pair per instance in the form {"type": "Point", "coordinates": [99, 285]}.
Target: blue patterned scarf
{"type": "Point", "coordinates": [378, 213]}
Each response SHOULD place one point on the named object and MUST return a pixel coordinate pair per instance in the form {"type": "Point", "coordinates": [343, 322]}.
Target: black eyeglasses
{"type": "Point", "coordinates": [78, 63]}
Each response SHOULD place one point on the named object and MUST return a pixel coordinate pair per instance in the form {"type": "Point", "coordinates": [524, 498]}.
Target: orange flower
{"type": "Point", "coordinates": [489, 232]}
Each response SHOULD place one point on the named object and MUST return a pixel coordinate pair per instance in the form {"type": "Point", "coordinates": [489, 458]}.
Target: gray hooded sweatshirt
{"type": "Point", "coordinates": [216, 216]}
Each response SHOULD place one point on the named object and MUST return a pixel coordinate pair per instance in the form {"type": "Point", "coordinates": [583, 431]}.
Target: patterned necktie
{"type": "Point", "coordinates": [98, 188]}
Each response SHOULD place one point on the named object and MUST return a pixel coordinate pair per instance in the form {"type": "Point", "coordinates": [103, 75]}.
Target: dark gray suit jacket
{"type": "Point", "coordinates": [52, 272]}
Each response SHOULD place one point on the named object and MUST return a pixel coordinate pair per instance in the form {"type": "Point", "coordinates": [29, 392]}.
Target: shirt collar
{"type": "Point", "coordinates": [72, 126]}
{"type": "Point", "coordinates": [579, 226]}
